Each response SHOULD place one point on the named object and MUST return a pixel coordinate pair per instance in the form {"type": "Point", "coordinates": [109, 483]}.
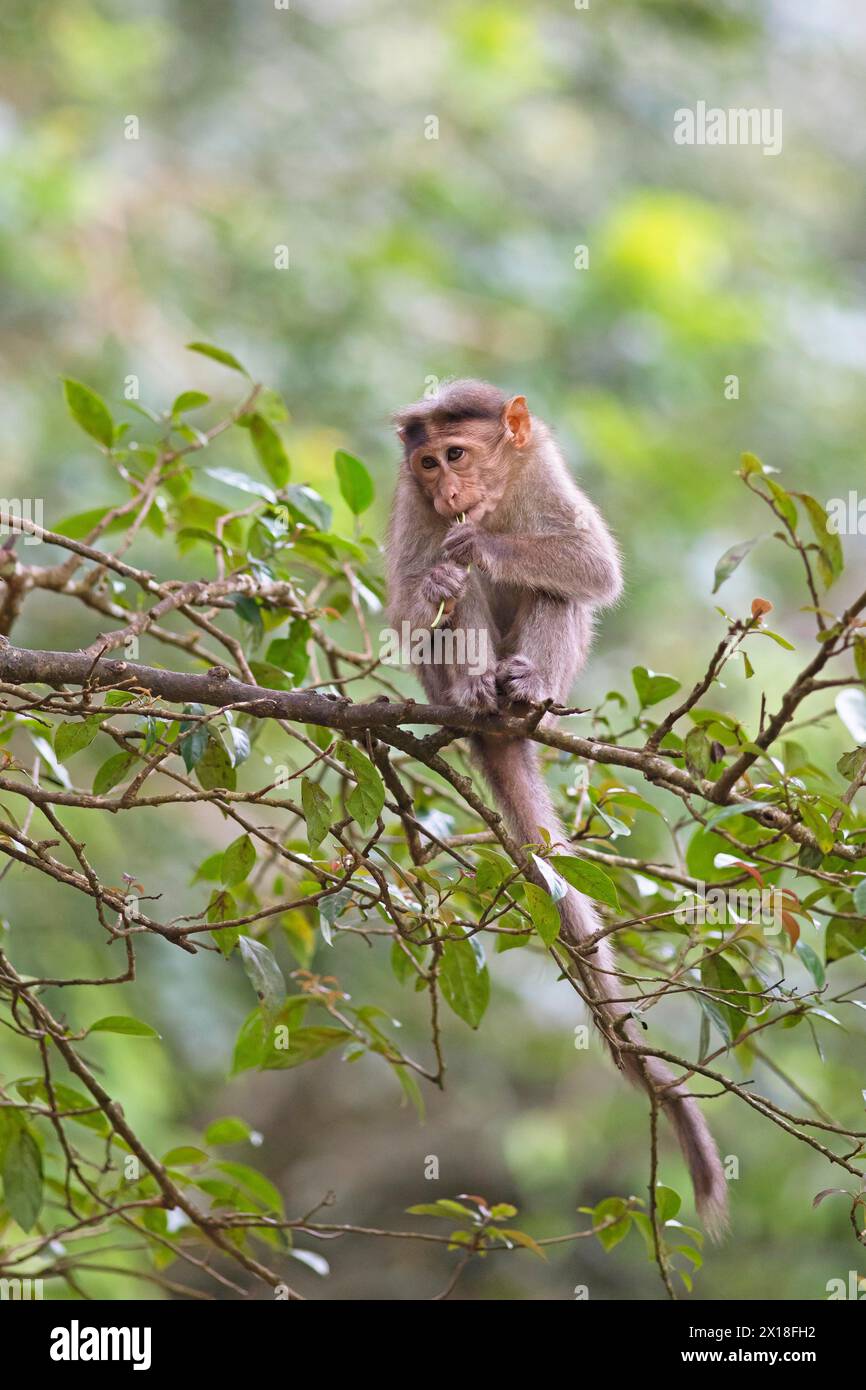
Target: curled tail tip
{"type": "Point", "coordinates": [714, 1211]}
{"type": "Point", "coordinates": [705, 1167]}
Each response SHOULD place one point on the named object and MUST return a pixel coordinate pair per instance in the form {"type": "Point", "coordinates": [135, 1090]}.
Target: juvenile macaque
{"type": "Point", "coordinates": [529, 561]}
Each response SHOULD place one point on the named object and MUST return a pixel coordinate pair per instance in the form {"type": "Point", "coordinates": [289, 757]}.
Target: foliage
{"type": "Point", "coordinates": [360, 832]}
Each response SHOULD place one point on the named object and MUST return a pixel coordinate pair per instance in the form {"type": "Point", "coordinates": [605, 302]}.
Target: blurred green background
{"type": "Point", "coordinates": [412, 258]}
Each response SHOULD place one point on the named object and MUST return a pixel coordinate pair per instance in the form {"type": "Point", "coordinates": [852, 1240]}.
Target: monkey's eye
{"type": "Point", "coordinates": [454, 453]}
{"type": "Point", "coordinates": [430, 462]}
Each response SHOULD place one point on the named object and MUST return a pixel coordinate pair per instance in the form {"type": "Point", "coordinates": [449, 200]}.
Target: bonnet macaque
{"type": "Point", "coordinates": [489, 532]}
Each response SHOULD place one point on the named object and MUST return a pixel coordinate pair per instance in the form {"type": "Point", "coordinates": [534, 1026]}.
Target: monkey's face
{"type": "Point", "coordinates": [462, 456]}
{"type": "Point", "coordinates": [457, 467]}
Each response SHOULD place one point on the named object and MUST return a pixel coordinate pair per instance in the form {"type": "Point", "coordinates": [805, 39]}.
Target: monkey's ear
{"type": "Point", "coordinates": [401, 433]}
{"type": "Point", "coordinates": [517, 421]}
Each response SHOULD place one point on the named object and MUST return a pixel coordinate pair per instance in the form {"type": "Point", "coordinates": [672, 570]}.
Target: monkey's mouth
{"type": "Point", "coordinates": [471, 510]}
{"type": "Point", "coordinates": [479, 509]}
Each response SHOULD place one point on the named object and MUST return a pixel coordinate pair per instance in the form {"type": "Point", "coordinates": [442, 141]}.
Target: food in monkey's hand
{"type": "Point", "coordinates": [490, 532]}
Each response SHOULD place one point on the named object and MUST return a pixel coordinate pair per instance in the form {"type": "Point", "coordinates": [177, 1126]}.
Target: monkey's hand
{"type": "Point", "coordinates": [466, 544]}
{"type": "Point", "coordinates": [444, 584]}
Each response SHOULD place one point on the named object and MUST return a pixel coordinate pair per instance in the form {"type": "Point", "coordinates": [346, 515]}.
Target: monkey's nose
{"type": "Point", "coordinates": [447, 502]}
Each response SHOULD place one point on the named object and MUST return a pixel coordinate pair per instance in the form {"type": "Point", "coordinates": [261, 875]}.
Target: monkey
{"type": "Point", "coordinates": [490, 531]}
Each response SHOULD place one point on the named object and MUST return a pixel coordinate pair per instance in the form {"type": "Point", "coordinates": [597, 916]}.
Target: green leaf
{"type": "Point", "coordinates": [812, 962]}
{"type": "Point", "coordinates": [184, 1156]}
{"type": "Point", "coordinates": [829, 543]}
{"type": "Point", "coordinates": [77, 734]}
{"type": "Point", "coordinates": [239, 744]}
{"type": "Point", "coordinates": [305, 1045]}
{"type": "Point", "coordinates": [445, 1210]}
{"type": "Point", "coordinates": [214, 768]}
{"type": "Point", "coordinates": [465, 983]}
{"type": "Point", "coordinates": [698, 752]}
{"type": "Point", "coordinates": [223, 908]}
{"type": "Point", "coordinates": [112, 771]}
{"type": "Point", "coordinates": [692, 1255]}
{"type": "Point", "coordinates": [728, 812]}
{"type": "Point", "coordinates": [612, 1207]}
{"type": "Point", "coordinates": [410, 1088]}
{"type": "Point", "coordinates": [556, 885]}
{"type": "Point", "coordinates": [89, 411]}
{"type": "Point", "coordinates": [188, 400]}
{"type": "Point", "coordinates": [783, 502]}
{"type": "Point", "coordinates": [261, 1188]}
{"type": "Point", "coordinates": [774, 637]}
{"type": "Point", "coordinates": [269, 448]}
{"type": "Point", "coordinates": [818, 824]}
{"type": "Point", "coordinates": [228, 1130]}
{"type": "Point", "coordinates": [543, 911]}
{"type": "Point", "coordinates": [210, 869]}
{"type": "Point", "coordinates": [271, 405]}
{"type": "Point", "coordinates": [521, 1238]}
{"type": "Point", "coordinates": [587, 878]}
{"type": "Point", "coordinates": [200, 533]}
{"type": "Point", "coordinates": [356, 485]}
{"type": "Point", "coordinates": [122, 1023]}
{"type": "Point", "coordinates": [367, 797]}
{"type": "Point", "coordinates": [65, 1098]}
{"type": "Point", "coordinates": [264, 975]}
{"type": "Point", "coordinates": [731, 560]}
{"type": "Point", "coordinates": [291, 653]}
{"type": "Point", "coordinates": [401, 960]}
{"type": "Point", "coordinates": [718, 974]}
{"type": "Point", "coordinates": [643, 1224]}
{"type": "Point", "coordinates": [218, 355]}
{"type": "Point", "coordinates": [238, 859]}
{"type": "Point", "coordinates": [192, 747]}
{"type": "Point", "coordinates": [22, 1178]}
{"type": "Point", "coordinates": [232, 477]}
{"type": "Point", "coordinates": [318, 811]}
{"type": "Point", "coordinates": [311, 508]}
{"type": "Point", "coordinates": [270, 677]}
{"type": "Point", "coordinates": [668, 1202]}
{"type": "Point", "coordinates": [652, 688]}
{"type": "Point", "coordinates": [249, 612]}
{"type": "Point", "coordinates": [80, 524]}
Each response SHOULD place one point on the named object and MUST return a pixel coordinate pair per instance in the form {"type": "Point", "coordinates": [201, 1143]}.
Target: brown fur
{"type": "Point", "coordinates": [531, 563]}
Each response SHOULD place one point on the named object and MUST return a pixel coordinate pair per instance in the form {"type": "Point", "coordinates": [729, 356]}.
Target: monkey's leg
{"type": "Point", "coordinates": [544, 649]}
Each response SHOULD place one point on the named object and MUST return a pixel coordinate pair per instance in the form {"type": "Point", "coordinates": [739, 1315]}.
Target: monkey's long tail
{"type": "Point", "coordinates": [512, 770]}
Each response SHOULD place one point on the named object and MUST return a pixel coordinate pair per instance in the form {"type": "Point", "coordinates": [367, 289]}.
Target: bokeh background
{"type": "Point", "coordinates": [413, 258]}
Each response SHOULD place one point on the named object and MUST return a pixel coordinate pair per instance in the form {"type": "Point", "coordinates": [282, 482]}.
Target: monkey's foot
{"type": "Point", "coordinates": [520, 680]}
{"type": "Point", "coordinates": [477, 692]}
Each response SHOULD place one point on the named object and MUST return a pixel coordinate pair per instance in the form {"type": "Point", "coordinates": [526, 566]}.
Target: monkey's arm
{"type": "Point", "coordinates": [419, 577]}
{"type": "Point", "coordinates": [578, 561]}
